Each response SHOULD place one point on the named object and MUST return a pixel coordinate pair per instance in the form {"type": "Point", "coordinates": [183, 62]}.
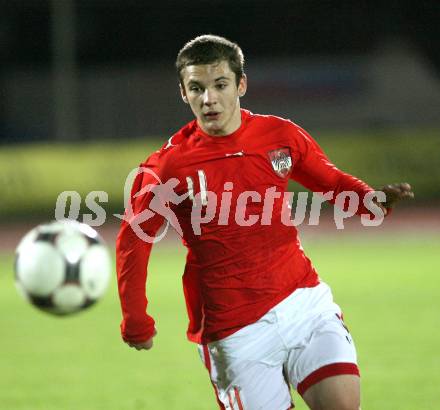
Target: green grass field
{"type": "Point", "coordinates": [389, 290]}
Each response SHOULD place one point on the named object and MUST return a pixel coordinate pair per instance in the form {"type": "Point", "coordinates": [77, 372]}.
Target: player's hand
{"type": "Point", "coordinates": [396, 192]}
{"type": "Point", "coordinates": [147, 345]}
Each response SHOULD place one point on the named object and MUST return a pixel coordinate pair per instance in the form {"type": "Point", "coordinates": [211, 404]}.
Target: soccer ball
{"type": "Point", "coordinates": [62, 267]}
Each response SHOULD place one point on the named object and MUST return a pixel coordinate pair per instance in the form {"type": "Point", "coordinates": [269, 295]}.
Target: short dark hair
{"type": "Point", "coordinates": [208, 49]}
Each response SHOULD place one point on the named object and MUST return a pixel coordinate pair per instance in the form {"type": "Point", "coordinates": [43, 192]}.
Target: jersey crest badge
{"type": "Point", "coordinates": [281, 161]}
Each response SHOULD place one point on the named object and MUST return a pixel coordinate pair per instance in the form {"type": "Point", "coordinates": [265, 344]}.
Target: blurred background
{"type": "Point", "coordinates": [88, 90]}
{"type": "Point", "coordinates": [90, 86]}
{"type": "Point", "coordinates": [88, 73]}
{"type": "Point", "coordinates": [89, 69]}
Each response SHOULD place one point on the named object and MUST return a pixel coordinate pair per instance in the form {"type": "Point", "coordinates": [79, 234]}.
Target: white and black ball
{"type": "Point", "coordinates": [62, 267]}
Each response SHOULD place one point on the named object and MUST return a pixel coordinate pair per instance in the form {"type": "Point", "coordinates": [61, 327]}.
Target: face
{"type": "Point", "coordinates": [212, 93]}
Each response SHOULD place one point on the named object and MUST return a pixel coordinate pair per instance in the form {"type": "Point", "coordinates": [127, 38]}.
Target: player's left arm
{"type": "Point", "coordinates": [316, 172]}
{"type": "Point", "coordinates": [395, 193]}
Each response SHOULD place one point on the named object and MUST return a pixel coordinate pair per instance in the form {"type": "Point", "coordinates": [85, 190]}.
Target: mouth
{"type": "Point", "coordinates": [212, 115]}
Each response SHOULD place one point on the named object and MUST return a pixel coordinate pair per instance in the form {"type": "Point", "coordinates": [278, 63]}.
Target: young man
{"type": "Point", "coordinates": [261, 316]}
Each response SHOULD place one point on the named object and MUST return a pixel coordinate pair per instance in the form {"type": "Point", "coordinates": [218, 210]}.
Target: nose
{"type": "Point", "coordinates": [209, 97]}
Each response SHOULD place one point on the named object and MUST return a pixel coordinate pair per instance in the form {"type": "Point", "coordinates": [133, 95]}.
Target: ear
{"type": "Point", "coordinates": [242, 86]}
{"type": "Point", "coordinates": [183, 94]}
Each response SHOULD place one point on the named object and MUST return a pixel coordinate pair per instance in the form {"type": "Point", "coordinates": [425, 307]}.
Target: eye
{"type": "Point", "coordinates": [221, 86]}
{"type": "Point", "coordinates": [194, 88]}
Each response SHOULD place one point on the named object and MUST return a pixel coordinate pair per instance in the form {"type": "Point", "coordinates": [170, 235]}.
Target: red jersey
{"type": "Point", "coordinates": [241, 259]}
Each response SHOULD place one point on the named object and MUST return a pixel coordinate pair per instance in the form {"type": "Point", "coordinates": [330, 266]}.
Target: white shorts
{"type": "Point", "coordinates": [299, 342]}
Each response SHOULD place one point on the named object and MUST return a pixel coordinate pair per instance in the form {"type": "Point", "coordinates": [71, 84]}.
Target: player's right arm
{"type": "Point", "coordinates": [132, 255]}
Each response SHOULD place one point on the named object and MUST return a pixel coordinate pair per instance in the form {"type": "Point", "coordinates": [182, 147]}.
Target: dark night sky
{"type": "Point", "coordinates": [128, 31]}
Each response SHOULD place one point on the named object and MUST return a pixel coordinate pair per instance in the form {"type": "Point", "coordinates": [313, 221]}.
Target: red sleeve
{"type": "Point", "coordinates": [314, 171]}
{"type": "Point", "coordinates": [132, 255]}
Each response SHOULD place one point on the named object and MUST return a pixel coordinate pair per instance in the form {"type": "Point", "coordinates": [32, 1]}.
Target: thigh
{"type": "Point", "coordinates": [328, 351]}
{"type": "Point", "coordinates": [334, 393]}
{"type": "Point", "coordinates": [247, 384]}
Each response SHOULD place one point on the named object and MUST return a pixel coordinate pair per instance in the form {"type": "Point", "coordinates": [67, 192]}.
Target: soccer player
{"type": "Point", "coordinates": [262, 318]}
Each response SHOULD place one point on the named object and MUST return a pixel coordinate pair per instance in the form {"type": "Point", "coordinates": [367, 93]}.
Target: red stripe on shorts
{"type": "Point", "coordinates": [237, 396]}
{"type": "Point", "coordinates": [231, 404]}
{"type": "Point", "coordinates": [322, 373]}
{"type": "Point", "coordinates": [208, 367]}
